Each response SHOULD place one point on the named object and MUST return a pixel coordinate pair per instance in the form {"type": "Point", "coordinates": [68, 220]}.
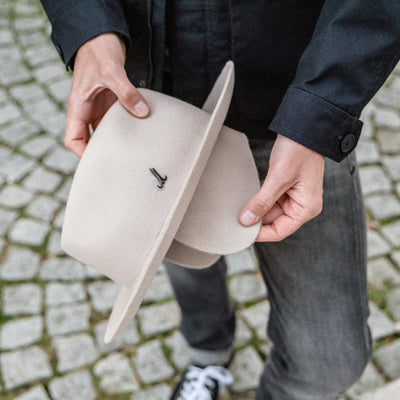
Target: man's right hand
{"type": "Point", "coordinates": [99, 79]}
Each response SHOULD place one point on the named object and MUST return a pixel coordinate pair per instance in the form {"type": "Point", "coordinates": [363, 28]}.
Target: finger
{"type": "Point", "coordinates": [262, 201]}
{"type": "Point", "coordinates": [77, 136]}
{"type": "Point", "coordinates": [129, 96]}
{"type": "Point", "coordinates": [282, 227]}
{"type": "Point", "coordinates": [272, 214]}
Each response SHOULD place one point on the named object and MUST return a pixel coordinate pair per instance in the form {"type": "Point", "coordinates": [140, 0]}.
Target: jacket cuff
{"type": "Point", "coordinates": [68, 34]}
{"type": "Point", "coordinates": [316, 124]}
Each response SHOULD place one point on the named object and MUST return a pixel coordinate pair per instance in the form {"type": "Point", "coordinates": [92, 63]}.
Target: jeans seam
{"type": "Point", "coordinates": [360, 258]}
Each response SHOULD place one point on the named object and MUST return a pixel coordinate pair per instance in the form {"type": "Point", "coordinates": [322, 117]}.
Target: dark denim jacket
{"type": "Point", "coordinates": [304, 68]}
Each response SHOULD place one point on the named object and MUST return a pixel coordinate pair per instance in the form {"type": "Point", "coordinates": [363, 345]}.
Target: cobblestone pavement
{"type": "Point", "coordinates": [53, 309]}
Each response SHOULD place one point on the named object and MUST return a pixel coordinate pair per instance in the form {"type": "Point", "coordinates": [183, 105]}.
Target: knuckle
{"type": "Point", "coordinates": [315, 207]}
{"type": "Point", "coordinates": [129, 93]}
{"type": "Point", "coordinates": [261, 203]}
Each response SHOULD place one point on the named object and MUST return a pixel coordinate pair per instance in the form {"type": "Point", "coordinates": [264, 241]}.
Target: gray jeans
{"type": "Point", "coordinates": [317, 289]}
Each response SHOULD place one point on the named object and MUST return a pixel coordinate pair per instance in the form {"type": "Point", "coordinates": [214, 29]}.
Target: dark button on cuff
{"type": "Point", "coordinates": [347, 143]}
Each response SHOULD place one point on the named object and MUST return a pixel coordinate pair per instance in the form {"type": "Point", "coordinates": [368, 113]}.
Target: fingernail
{"type": "Point", "coordinates": [248, 218]}
{"type": "Point", "coordinates": [141, 108]}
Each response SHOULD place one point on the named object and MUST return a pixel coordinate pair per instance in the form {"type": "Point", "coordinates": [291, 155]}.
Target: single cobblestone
{"type": "Point", "coordinates": [160, 289]}
{"type": "Point", "coordinates": [257, 317]}
{"type": "Point", "coordinates": [29, 23]}
{"type": "Point", "coordinates": [389, 142]}
{"type": "Point", "coordinates": [128, 337]}
{"type": "Point", "coordinates": [387, 97]}
{"type": "Point", "coordinates": [393, 303]}
{"type": "Point", "coordinates": [20, 264]}
{"type": "Point", "coordinates": [382, 273]}
{"type": "Point", "coordinates": [14, 299]}
{"type": "Point", "coordinates": [14, 196]}
{"type": "Point", "coordinates": [15, 167]}
{"type": "Point", "coordinates": [151, 364]}
{"type": "Point", "coordinates": [156, 392]}
{"type": "Point", "coordinates": [392, 164]}
{"type": "Point", "coordinates": [28, 231]}
{"type": "Point", "coordinates": [58, 293]}
{"type": "Point", "coordinates": [6, 218]}
{"type": "Point", "coordinates": [387, 357]}
{"type": "Point", "coordinates": [159, 318]}
{"type": "Point", "coordinates": [36, 393]}
{"type": "Point", "coordinates": [60, 89]}
{"type": "Point", "coordinates": [73, 386]}
{"type": "Point", "coordinates": [21, 332]}
{"type": "Point", "coordinates": [246, 369]}
{"type": "Point", "coordinates": [392, 232]}
{"type": "Point", "coordinates": [180, 355]}
{"type": "Point", "coordinates": [11, 72]}
{"type": "Point", "coordinates": [387, 118]}
{"type": "Point", "coordinates": [381, 326]}
{"type": "Point", "coordinates": [54, 244]}
{"type": "Point", "coordinates": [248, 287]}
{"type": "Point", "coordinates": [42, 180]}
{"type": "Point", "coordinates": [376, 245]}
{"type": "Point", "coordinates": [62, 160]}
{"type": "Point", "coordinates": [10, 54]}
{"type": "Point", "coordinates": [369, 380]}
{"type": "Point", "coordinates": [40, 110]}
{"type": "Point", "coordinates": [43, 208]}
{"type": "Point", "coordinates": [383, 206]}
{"type": "Point", "coordinates": [63, 192]}
{"type": "Point", "coordinates": [63, 269]}
{"type": "Point", "coordinates": [59, 219]}
{"type": "Point", "coordinates": [67, 319]}
{"type": "Point", "coordinates": [27, 93]}
{"type": "Point", "coordinates": [31, 39]}
{"type": "Point", "coordinates": [24, 366]}
{"type": "Point", "coordinates": [242, 333]}
{"type": "Point", "coordinates": [367, 152]}
{"type": "Point", "coordinates": [55, 124]}
{"type": "Point", "coordinates": [374, 180]}
{"type": "Point", "coordinates": [115, 374]}
{"type": "Point", "coordinates": [3, 96]}
{"type": "Point", "coordinates": [240, 262]}
{"type": "Point", "coordinates": [18, 132]}
{"type": "Point", "coordinates": [389, 391]}
{"type": "Point", "coordinates": [5, 37]}
{"type": "Point", "coordinates": [38, 146]}
{"type": "Point", "coordinates": [103, 294]}
{"type": "Point", "coordinates": [9, 113]}
{"type": "Point", "coordinates": [396, 258]}
{"type": "Point", "coordinates": [40, 55]}
{"type": "Point", "coordinates": [74, 351]}
{"type": "Point", "coordinates": [49, 73]}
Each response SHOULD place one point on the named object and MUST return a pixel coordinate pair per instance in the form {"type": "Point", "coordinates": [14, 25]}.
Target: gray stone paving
{"type": "Point", "coordinates": [54, 309]}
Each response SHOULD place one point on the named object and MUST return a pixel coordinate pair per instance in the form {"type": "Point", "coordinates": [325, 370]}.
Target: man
{"type": "Point", "coordinates": [304, 72]}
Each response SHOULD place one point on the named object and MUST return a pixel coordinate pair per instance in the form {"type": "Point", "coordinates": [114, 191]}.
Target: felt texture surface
{"type": "Point", "coordinates": [121, 223]}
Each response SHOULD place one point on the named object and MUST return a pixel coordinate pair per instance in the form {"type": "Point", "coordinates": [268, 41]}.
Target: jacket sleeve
{"type": "Point", "coordinates": [354, 47]}
{"type": "Point", "coordinates": [74, 22]}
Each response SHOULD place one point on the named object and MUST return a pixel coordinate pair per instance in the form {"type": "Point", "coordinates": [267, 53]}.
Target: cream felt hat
{"type": "Point", "coordinates": [171, 185]}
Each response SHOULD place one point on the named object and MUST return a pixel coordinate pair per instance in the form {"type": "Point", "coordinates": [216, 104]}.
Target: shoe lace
{"type": "Point", "coordinates": [199, 381]}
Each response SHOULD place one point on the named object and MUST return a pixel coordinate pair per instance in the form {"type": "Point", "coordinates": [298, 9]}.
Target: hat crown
{"type": "Point", "coordinates": [146, 151]}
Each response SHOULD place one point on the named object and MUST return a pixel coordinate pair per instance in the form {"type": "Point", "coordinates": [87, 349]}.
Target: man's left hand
{"type": "Point", "coordinates": [291, 193]}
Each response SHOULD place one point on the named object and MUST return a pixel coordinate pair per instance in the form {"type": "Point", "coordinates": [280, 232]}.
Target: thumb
{"type": "Point", "coordinates": [129, 96]}
{"type": "Point", "coordinates": [261, 203]}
